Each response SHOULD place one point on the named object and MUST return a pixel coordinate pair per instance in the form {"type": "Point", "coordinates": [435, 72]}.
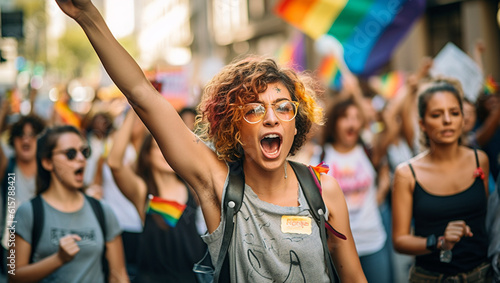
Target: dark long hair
{"type": "Point", "coordinates": [44, 147]}
{"type": "Point", "coordinates": [336, 111]}
{"type": "Point", "coordinates": [144, 169]}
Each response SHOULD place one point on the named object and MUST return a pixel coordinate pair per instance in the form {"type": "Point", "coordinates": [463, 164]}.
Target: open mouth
{"type": "Point", "coordinates": [271, 145]}
{"type": "Point", "coordinates": [79, 173]}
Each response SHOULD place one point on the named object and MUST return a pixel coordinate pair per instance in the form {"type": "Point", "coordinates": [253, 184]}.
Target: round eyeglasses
{"type": "Point", "coordinates": [285, 110]}
{"type": "Point", "coordinates": [72, 152]}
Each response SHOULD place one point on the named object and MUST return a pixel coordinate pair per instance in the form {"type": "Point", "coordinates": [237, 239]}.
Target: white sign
{"type": "Point", "coordinates": [453, 62]}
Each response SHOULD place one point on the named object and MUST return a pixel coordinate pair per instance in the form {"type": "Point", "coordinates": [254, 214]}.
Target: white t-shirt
{"type": "Point", "coordinates": [125, 211]}
{"type": "Point", "coordinates": [356, 177]}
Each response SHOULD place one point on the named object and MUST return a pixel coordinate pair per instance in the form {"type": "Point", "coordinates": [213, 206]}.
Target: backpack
{"type": "Point", "coordinates": [38, 221]}
{"type": "Point", "coordinates": [233, 197]}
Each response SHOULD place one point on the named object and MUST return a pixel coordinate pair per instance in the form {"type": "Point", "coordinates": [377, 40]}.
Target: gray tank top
{"type": "Point", "coordinates": [272, 243]}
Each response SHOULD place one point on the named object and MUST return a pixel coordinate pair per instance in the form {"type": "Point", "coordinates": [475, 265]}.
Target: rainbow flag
{"type": "Point", "coordinates": [321, 168]}
{"type": "Point", "coordinates": [67, 115]}
{"type": "Point", "coordinates": [12, 97]}
{"type": "Point", "coordinates": [170, 211]}
{"type": "Point", "coordinates": [490, 86]}
{"type": "Point", "coordinates": [329, 72]}
{"type": "Point", "coordinates": [369, 30]}
{"type": "Point", "coordinates": [293, 52]}
{"type": "Point", "coordinates": [390, 83]}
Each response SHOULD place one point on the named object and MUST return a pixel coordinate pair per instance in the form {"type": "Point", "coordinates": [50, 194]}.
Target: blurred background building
{"type": "Point", "coordinates": [188, 41]}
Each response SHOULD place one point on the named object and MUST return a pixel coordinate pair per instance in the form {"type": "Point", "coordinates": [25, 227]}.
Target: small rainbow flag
{"type": "Point", "coordinates": [390, 83]}
{"type": "Point", "coordinates": [321, 168]}
{"type": "Point", "coordinates": [329, 72]}
{"type": "Point", "coordinates": [67, 115]}
{"type": "Point", "coordinates": [293, 52]}
{"type": "Point", "coordinates": [490, 86]}
{"type": "Point", "coordinates": [170, 211]}
{"type": "Point", "coordinates": [369, 30]}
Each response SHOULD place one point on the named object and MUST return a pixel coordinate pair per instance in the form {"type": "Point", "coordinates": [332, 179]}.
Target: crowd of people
{"type": "Point", "coordinates": [407, 188]}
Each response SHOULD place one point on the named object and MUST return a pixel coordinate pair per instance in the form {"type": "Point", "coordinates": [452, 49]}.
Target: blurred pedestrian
{"type": "Point", "coordinates": [344, 152]}
{"type": "Point", "coordinates": [71, 241]}
{"type": "Point", "coordinates": [165, 253]}
{"type": "Point", "coordinates": [444, 191]}
{"type": "Point", "coordinates": [21, 166]}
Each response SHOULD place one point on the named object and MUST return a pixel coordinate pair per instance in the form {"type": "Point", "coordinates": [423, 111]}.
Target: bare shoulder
{"type": "Point", "coordinates": [404, 169]}
{"type": "Point", "coordinates": [331, 188]}
{"type": "Point", "coordinates": [483, 158]}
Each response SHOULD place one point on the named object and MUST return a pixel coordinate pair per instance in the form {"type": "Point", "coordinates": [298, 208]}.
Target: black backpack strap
{"type": "Point", "coordinates": [36, 232]}
{"type": "Point", "coordinates": [317, 207]}
{"type": "Point", "coordinates": [232, 202]}
{"type": "Point", "coordinates": [99, 213]}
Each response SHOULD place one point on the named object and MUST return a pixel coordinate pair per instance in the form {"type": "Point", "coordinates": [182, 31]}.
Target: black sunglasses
{"type": "Point", "coordinates": [72, 152]}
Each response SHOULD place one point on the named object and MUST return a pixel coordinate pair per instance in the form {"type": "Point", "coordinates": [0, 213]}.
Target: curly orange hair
{"type": "Point", "coordinates": [239, 83]}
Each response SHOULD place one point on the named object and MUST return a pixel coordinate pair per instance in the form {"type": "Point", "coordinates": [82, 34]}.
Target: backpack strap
{"type": "Point", "coordinates": [99, 213]}
{"type": "Point", "coordinates": [38, 219]}
{"type": "Point", "coordinates": [233, 198]}
{"type": "Point", "coordinates": [309, 185]}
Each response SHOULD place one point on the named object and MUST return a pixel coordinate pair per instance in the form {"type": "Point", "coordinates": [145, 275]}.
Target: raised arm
{"type": "Point", "coordinates": [489, 127]}
{"type": "Point", "coordinates": [191, 159]}
{"type": "Point", "coordinates": [131, 185]}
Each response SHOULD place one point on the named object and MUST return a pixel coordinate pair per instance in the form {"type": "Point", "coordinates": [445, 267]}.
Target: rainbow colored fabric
{"type": "Point", "coordinates": [329, 72]}
{"type": "Point", "coordinates": [67, 115]}
{"type": "Point", "coordinates": [170, 211]}
{"type": "Point", "coordinates": [369, 30]}
{"type": "Point", "coordinates": [293, 52]}
{"type": "Point", "coordinates": [490, 86]}
{"type": "Point", "coordinates": [321, 168]}
{"type": "Point", "coordinates": [391, 82]}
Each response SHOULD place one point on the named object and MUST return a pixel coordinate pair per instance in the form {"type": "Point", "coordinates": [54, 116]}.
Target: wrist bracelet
{"type": "Point", "coordinates": [444, 255]}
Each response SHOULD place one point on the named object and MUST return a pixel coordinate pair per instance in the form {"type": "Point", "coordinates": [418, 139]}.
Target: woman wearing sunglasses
{"type": "Point", "coordinates": [256, 113]}
{"type": "Point", "coordinates": [71, 242]}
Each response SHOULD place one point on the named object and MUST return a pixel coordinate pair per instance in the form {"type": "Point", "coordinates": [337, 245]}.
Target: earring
{"type": "Point", "coordinates": [285, 171]}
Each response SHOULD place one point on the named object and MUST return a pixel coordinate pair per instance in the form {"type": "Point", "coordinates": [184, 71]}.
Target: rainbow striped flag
{"type": "Point", "coordinates": [67, 115]}
{"type": "Point", "coordinates": [293, 52]}
{"type": "Point", "coordinates": [369, 30]}
{"type": "Point", "coordinates": [390, 83]}
{"type": "Point", "coordinates": [321, 168]}
{"type": "Point", "coordinates": [329, 72]}
{"type": "Point", "coordinates": [170, 211]}
{"type": "Point", "coordinates": [490, 86]}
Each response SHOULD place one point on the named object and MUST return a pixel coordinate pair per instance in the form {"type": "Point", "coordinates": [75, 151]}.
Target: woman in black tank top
{"type": "Point", "coordinates": [444, 192]}
{"type": "Point", "coordinates": [166, 252]}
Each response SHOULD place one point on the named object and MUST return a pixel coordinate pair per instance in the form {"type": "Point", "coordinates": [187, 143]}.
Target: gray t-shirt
{"type": "Point", "coordinates": [86, 266]}
{"type": "Point", "coordinates": [24, 189]}
{"type": "Point", "coordinates": [266, 249]}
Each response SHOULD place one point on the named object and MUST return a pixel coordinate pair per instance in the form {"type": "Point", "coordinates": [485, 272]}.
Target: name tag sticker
{"type": "Point", "coordinates": [296, 224]}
